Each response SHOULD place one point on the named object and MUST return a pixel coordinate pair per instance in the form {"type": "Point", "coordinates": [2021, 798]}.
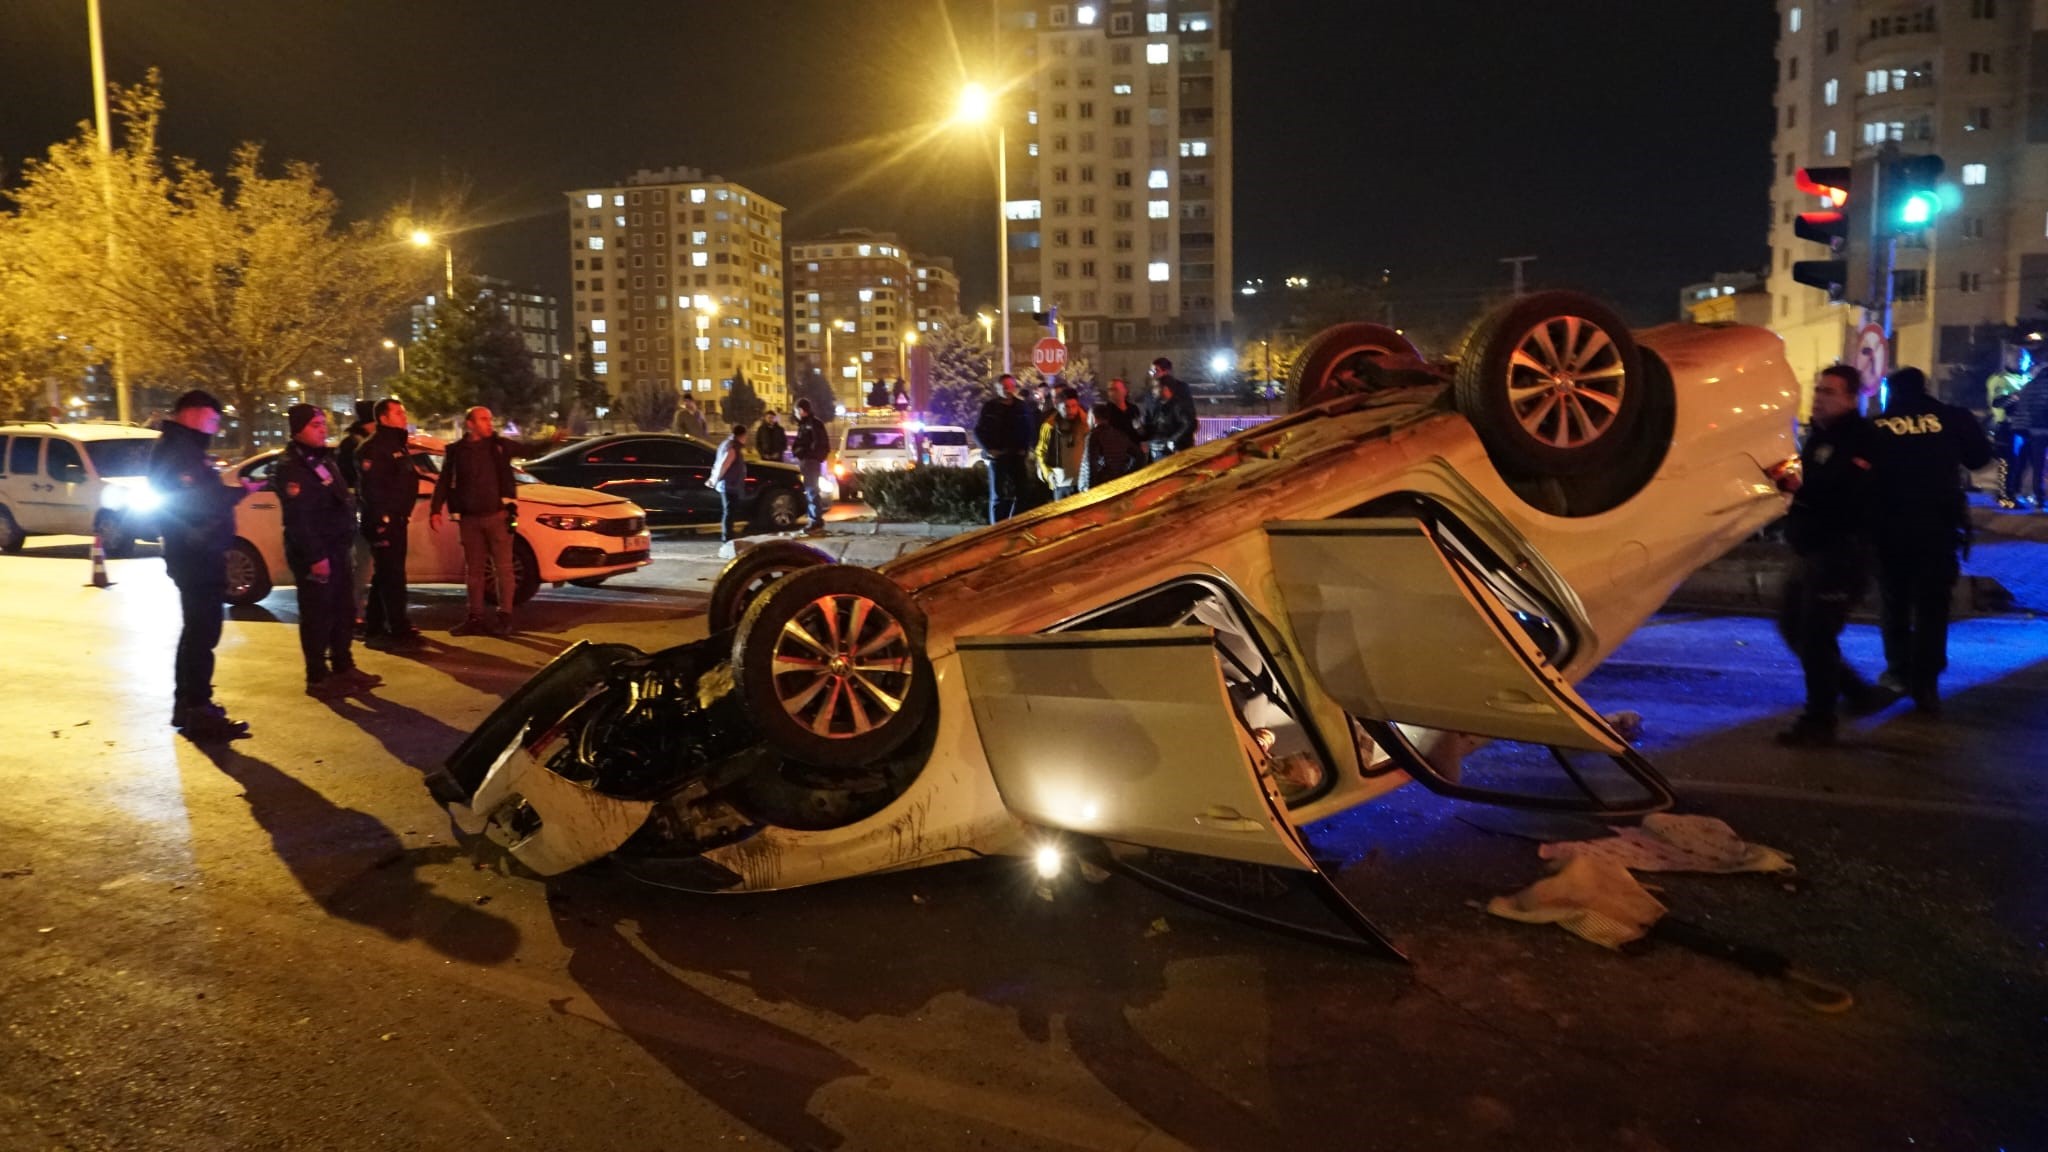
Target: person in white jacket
{"type": "Point", "coordinates": [729, 477]}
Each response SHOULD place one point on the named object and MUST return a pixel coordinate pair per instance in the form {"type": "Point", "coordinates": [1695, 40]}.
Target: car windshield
{"type": "Point", "coordinates": [125, 457]}
{"type": "Point", "coordinates": [947, 438]}
{"type": "Point", "coordinates": [869, 438]}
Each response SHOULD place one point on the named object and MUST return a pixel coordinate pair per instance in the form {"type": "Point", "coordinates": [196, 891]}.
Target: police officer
{"type": "Point", "coordinates": [1828, 527]}
{"type": "Point", "coordinates": [1923, 447]}
{"type": "Point", "coordinates": [198, 522]}
{"type": "Point", "coordinates": [388, 487]}
{"type": "Point", "coordinates": [319, 534]}
{"type": "Point", "coordinates": [345, 454]}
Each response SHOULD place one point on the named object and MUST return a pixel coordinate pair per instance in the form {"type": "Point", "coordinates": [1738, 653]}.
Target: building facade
{"type": "Point", "coordinates": [860, 302]}
{"type": "Point", "coordinates": [678, 282]}
{"type": "Point", "coordinates": [1729, 298]}
{"type": "Point", "coordinates": [1119, 200]}
{"type": "Point", "coordinates": [536, 315]}
{"type": "Point", "coordinates": [1946, 77]}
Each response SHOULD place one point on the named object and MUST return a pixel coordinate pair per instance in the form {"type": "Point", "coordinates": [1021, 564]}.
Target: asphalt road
{"type": "Point", "coordinates": [284, 946]}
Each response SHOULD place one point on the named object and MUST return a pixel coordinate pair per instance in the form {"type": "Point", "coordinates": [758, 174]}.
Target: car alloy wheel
{"type": "Point", "coordinates": [1553, 384]}
{"type": "Point", "coordinates": [842, 666]}
{"type": "Point", "coordinates": [247, 580]}
{"type": "Point", "coordinates": [1568, 382]}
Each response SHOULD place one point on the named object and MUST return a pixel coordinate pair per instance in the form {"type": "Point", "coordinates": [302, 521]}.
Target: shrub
{"type": "Point", "coordinates": [939, 495]}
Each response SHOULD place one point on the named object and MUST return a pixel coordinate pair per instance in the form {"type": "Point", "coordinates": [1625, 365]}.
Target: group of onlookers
{"type": "Point", "coordinates": [1066, 448]}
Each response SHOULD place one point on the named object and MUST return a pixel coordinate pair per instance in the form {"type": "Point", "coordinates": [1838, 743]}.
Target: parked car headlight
{"type": "Point", "coordinates": [570, 523]}
{"type": "Point", "coordinates": [126, 498]}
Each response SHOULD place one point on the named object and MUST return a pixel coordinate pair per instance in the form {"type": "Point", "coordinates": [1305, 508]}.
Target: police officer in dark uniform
{"type": "Point", "coordinates": [319, 533]}
{"type": "Point", "coordinates": [198, 523]}
{"type": "Point", "coordinates": [389, 487]}
{"type": "Point", "coordinates": [1828, 527]}
{"type": "Point", "coordinates": [1923, 447]}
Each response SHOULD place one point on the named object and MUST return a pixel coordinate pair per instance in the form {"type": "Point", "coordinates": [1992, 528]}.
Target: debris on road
{"type": "Point", "coordinates": [1591, 897]}
{"type": "Point", "coordinates": [1668, 842]}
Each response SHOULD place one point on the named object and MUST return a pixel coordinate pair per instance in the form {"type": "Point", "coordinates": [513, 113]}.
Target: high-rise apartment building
{"type": "Point", "coordinates": [1946, 77]}
{"type": "Point", "coordinates": [859, 303]}
{"type": "Point", "coordinates": [536, 316]}
{"type": "Point", "coordinates": [678, 281]}
{"type": "Point", "coordinates": [1119, 197]}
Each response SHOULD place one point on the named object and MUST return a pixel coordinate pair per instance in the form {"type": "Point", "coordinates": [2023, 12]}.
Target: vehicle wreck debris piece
{"type": "Point", "coordinates": [1179, 671]}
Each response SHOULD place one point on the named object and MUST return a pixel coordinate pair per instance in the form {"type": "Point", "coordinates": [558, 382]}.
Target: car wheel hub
{"type": "Point", "coordinates": [1565, 382]}
{"type": "Point", "coordinates": [842, 666]}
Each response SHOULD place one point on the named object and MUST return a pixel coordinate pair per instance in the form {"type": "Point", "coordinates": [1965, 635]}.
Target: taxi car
{"type": "Point", "coordinates": [1399, 581]}
{"type": "Point", "coordinates": [564, 535]}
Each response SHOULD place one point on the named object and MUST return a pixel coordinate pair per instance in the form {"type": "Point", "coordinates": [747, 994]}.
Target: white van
{"type": "Point", "coordinates": [76, 479]}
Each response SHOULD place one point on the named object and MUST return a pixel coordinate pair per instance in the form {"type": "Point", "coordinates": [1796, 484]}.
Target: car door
{"type": "Point", "coordinates": [69, 493]}
{"type": "Point", "coordinates": [632, 468]}
{"type": "Point", "coordinates": [1128, 737]}
{"type": "Point", "coordinates": [432, 555]}
{"type": "Point", "coordinates": [1402, 629]}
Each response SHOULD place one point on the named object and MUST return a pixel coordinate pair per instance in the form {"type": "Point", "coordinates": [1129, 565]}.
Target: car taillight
{"type": "Point", "coordinates": [1786, 473]}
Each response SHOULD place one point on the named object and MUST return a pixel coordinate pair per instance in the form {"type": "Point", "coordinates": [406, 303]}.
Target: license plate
{"type": "Point", "coordinates": [641, 543]}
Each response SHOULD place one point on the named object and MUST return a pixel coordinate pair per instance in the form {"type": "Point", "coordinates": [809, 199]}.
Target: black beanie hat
{"type": "Point", "coordinates": [299, 416]}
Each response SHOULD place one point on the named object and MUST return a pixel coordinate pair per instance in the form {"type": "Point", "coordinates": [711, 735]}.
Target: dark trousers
{"type": "Point", "coordinates": [203, 603]}
{"type": "Point", "coordinates": [384, 613]}
{"type": "Point", "coordinates": [1916, 578]}
{"type": "Point", "coordinates": [487, 554]}
{"type": "Point", "coordinates": [2029, 453]}
{"type": "Point", "coordinates": [1819, 593]}
{"type": "Point", "coordinates": [1006, 481]}
{"type": "Point", "coordinates": [327, 615]}
{"type": "Point", "coordinates": [728, 509]}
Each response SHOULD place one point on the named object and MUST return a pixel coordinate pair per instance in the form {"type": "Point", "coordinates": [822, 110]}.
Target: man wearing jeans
{"type": "Point", "coordinates": [476, 481]}
{"type": "Point", "coordinates": [812, 446]}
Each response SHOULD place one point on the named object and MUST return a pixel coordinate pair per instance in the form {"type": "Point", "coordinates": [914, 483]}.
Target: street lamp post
{"type": "Point", "coordinates": [909, 346]}
{"type": "Point", "coordinates": [706, 312]}
{"type": "Point", "coordinates": [421, 238]}
{"type": "Point", "coordinates": [977, 105]}
{"type": "Point", "coordinates": [395, 346]}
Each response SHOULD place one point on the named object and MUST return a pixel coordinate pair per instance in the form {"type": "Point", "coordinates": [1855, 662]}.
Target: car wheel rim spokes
{"type": "Point", "coordinates": [1565, 382]}
{"type": "Point", "coordinates": [842, 666]}
{"type": "Point", "coordinates": [241, 574]}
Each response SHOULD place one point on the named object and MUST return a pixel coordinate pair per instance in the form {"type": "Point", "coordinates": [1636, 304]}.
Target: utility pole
{"type": "Point", "coordinates": [1517, 262]}
{"type": "Point", "coordinates": [123, 408]}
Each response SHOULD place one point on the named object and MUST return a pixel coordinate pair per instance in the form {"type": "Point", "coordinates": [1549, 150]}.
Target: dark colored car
{"type": "Point", "coordinates": [669, 475]}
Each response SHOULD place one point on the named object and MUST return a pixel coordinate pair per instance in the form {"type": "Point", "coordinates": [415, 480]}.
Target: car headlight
{"type": "Point", "coordinates": [124, 498]}
{"type": "Point", "coordinates": [570, 523]}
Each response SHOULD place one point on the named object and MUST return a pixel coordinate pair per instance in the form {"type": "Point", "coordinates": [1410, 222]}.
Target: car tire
{"type": "Point", "coordinates": [777, 509]}
{"type": "Point", "coordinates": [11, 536]}
{"type": "Point", "coordinates": [751, 572]}
{"type": "Point", "coordinates": [248, 577]}
{"type": "Point", "coordinates": [787, 680]}
{"type": "Point", "coordinates": [1553, 383]}
{"type": "Point", "coordinates": [1313, 378]}
{"type": "Point", "coordinates": [115, 539]}
{"type": "Point", "coordinates": [525, 575]}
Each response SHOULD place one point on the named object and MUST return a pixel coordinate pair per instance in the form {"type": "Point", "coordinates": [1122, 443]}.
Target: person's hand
{"type": "Point", "coordinates": [434, 522]}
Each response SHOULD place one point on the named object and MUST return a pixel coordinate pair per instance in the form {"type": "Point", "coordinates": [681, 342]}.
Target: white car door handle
{"type": "Point", "coordinates": [1221, 819]}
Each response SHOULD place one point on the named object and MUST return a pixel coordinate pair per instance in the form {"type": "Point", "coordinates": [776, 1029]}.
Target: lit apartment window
{"type": "Point", "coordinates": [1084, 14]}
{"type": "Point", "coordinates": [1975, 173]}
{"type": "Point", "coordinates": [618, 201]}
{"type": "Point", "coordinates": [867, 249]}
{"type": "Point", "coordinates": [603, 368]}
{"type": "Point", "coordinates": [867, 295]}
{"type": "Point", "coordinates": [1120, 89]}
{"type": "Point", "coordinates": [696, 195]}
{"type": "Point", "coordinates": [1031, 116]}
{"type": "Point", "coordinates": [1831, 92]}
{"type": "Point", "coordinates": [1157, 179]}
{"type": "Point", "coordinates": [1158, 270]}
{"type": "Point", "coordinates": [699, 259]}
{"type": "Point", "coordinates": [1158, 53]}
{"type": "Point", "coordinates": [1199, 22]}
{"type": "Point", "coordinates": [811, 297]}
{"type": "Point", "coordinates": [1022, 210]}
{"type": "Point", "coordinates": [594, 200]}
{"type": "Point", "coordinates": [1159, 210]}
{"type": "Point", "coordinates": [599, 347]}
{"type": "Point", "coordinates": [1827, 143]}
{"type": "Point", "coordinates": [1155, 22]}
{"type": "Point", "coordinates": [1794, 19]}
{"type": "Point", "coordinates": [1031, 149]}
{"type": "Point", "coordinates": [597, 243]}
{"type": "Point", "coordinates": [700, 237]}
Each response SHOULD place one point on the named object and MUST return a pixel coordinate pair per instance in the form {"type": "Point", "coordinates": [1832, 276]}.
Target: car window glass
{"type": "Point", "coordinates": [3, 455]}
{"type": "Point", "coordinates": [948, 438]}
{"type": "Point", "coordinates": [129, 457]}
{"type": "Point", "coordinates": [426, 463]}
{"type": "Point", "coordinates": [21, 455]}
{"type": "Point", "coordinates": [858, 439]}
{"type": "Point", "coordinates": [260, 469]}
{"type": "Point", "coordinates": [63, 463]}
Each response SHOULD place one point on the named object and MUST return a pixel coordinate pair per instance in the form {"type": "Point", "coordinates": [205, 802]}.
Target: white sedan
{"type": "Point", "coordinates": [1174, 673]}
{"type": "Point", "coordinates": [568, 535]}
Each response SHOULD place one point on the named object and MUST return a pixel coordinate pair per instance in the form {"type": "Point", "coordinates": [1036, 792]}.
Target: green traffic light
{"type": "Point", "coordinates": [1919, 208]}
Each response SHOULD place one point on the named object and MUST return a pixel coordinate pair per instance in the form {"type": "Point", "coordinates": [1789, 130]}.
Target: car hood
{"type": "Point", "coordinates": [557, 496]}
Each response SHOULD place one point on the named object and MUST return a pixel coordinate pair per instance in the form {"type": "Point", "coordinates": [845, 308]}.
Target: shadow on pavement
{"type": "Point", "coordinates": [417, 740]}
{"type": "Point", "coordinates": [357, 869]}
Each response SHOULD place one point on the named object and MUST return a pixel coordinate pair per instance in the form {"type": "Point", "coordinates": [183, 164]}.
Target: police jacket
{"type": "Point", "coordinates": [476, 477]}
{"type": "Point", "coordinates": [1007, 426]}
{"type": "Point", "coordinates": [1831, 513]}
{"type": "Point", "coordinates": [385, 479]}
{"type": "Point", "coordinates": [319, 510]}
{"type": "Point", "coordinates": [812, 445]}
{"type": "Point", "coordinates": [1923, 447]}
{"type": "Point", "coordinates": [198, 515]}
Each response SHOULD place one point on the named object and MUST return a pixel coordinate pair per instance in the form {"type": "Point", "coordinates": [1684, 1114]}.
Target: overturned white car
{"type": "Point", "coordinates": [1195, 661]}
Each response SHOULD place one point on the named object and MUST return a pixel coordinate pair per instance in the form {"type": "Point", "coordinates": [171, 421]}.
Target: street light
{"type": "Point", "coordinates": [707, 309]}
{"type": "Point", "coordinates": [400, 349]}
{"type": "Point", "coordinates": [987, 323]}
{"type": "Point", "coordinates": [831, 326]}
{"type": "Point", "coordinates": [978, 105]}
{"type": "Point", "coordinates": [909, 345]}
{"type": "Point", "coordinates": [421, 238]}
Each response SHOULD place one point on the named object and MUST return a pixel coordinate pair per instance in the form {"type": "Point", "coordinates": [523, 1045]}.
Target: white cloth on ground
{"type": "Point", "coordinates": [1593, 898]}
{"type": "Point", "coordinates": [1668, 842]}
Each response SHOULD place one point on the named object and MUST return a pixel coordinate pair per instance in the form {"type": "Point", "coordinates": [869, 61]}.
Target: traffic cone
{"type": "Point", "coordinates": [99, 563]}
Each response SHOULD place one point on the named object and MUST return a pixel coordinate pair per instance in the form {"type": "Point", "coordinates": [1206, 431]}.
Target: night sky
{"type": "Point", "coordinates": [1625, 144]}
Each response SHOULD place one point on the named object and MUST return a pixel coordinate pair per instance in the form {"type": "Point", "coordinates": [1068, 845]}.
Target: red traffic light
{"type": "Point", "coordinates": [1831, 183]}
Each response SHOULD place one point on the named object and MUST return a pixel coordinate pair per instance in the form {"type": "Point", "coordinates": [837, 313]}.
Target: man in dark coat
{"type": "Point", "coordinates": [477, 482]}
{"type": "Point", "coordinates": [1923, 447]}
{"type": "Point", "coordinates": [1111, 451]}
{"type": "Point", "coordinates": [198, 524]}
{"type": "Point", "coordinates": [319, 534]}
{"type": "Point", "coordinates": [345, 460]}
{"type": "Point", "coordinates": [772, 440]}
{"type": "Point", "coordinates": [1007, 430]}
{"type": "Point", "coordinates": [1170, 422]}
{"type": "Point", "coordinates": [813, 446]}
{"type": "Point", "coordinates": [1126, 415]}
{"type": "Point", "coordinates": [388, 488]}
{"type": "Point", "coordinates": [1828, 527]}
